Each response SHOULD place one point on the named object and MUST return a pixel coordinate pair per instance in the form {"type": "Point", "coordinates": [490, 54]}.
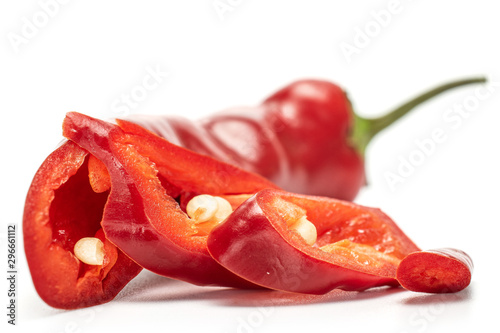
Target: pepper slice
{"type": "Point", "coordinates": [356, 248]}
{"type": "Point", "coordinates": [61, 208]}
{"type": "Point", "coordinates": [444, 270]}
{"type": "Point", "coordinates": [141, 216]}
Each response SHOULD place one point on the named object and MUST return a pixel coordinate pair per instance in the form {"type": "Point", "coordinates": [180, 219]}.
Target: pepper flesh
{"type": "Point", "coordinates": [444, 270]}
{"type": "Point", "coordinates": [361, 246]}
{"type": "Point", "coordinates": [141, 217]}
{"type": "Point", "coordinates": [60, 209]}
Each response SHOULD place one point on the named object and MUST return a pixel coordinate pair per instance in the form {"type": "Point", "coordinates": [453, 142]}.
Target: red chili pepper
{"type": "Point", "coordinates": [436, 271]}
{"type": "Point", "coordinates": [267, 242]}
{"type": "Point", "coordinates": [141, 216]}
{"type": "Point", "coordinates": [61, 208]}
{"type": "Point", "coordinates": [305, 138]}
{"type": "Point", "coordinates": [73, 188]}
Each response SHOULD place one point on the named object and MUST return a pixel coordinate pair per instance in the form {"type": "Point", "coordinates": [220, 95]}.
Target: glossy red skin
{"type": "Point", "coordinates": [261, 249]}
{"type": "Point", "coordinates": [56, 273]}
{"type": "Point", "coordinates": [297, 138]}
{"type": "Point", "coordinates": [140, 218]}
{"type": "Point", "coordinates": [444, 270]}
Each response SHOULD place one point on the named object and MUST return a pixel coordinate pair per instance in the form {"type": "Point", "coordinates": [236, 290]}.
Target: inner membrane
{"type": "Point", "coordinates": [76, 211]}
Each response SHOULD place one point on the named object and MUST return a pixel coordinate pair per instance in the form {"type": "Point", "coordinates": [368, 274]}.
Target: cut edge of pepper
{"type": "Point", "coordinates": [60, 279]}
{"type": "Point", "coordinates": [385, 265]}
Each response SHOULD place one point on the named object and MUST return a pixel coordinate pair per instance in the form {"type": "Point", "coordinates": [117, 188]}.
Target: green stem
{"type": "Point", "coordinates": [365, 129]}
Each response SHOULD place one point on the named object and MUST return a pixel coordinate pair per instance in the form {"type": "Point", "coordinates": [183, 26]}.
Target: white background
{"type": "Point", "coordinates": [86, 54]}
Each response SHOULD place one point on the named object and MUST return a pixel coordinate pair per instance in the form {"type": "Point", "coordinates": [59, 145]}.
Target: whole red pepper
{"type": "Point", "coordinates": [123, 194]}
{"type": "Point", "coordinates": [356, 247]}
{"type": "Point", "coordinates": [305, 138]}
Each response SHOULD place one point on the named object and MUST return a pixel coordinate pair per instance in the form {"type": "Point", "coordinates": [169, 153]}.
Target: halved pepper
{"type": "Point", "coordinates": [356, 247]}
{"type": "Point", "coordinates": [141, 216]}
